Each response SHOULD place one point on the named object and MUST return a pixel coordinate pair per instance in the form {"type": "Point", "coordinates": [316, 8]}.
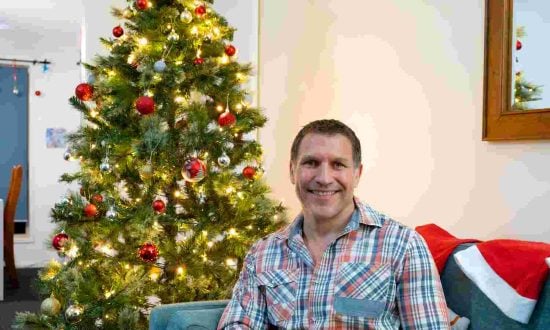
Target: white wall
{"type": "Point", "coordinates": [44, 29]}
{"type": "Point", "coordinates": [407, 76]}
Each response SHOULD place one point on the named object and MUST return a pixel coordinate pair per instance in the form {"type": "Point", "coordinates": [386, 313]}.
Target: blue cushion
{"type": "Point", "coordinates": [190, 315]}
{"type": "Point", "coordinates": [195, 320]}
{"type": "Point", "coordinates": [466, 299]}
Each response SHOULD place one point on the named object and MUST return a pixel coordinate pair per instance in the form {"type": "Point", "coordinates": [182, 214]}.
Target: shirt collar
{"type": "Point", "coordinates": [363, 214]}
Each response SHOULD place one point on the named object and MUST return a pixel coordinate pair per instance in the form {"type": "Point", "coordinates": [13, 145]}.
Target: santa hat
{"type": "Point", "coordinates": [440, 243]}
{"type": "Point", "coordinates": [510, 273]}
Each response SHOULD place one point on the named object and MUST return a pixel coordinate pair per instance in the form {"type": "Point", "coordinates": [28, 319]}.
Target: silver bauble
{"type": "Point", "coordinates": [159, 66]}
{"type": "Point", "coordinates": [73, 314]}
{"type": "Point", "coordinates": [67, 155]}
{"type": "Point", "coordinates": [224, 160]}
{"type": "Point", "coordinates": [111, 213]}
{"type": "Point", "coordinates": [105, 166]}
{"type": "Point", "coordinates": [186, 16]}
{"type": "Point", "coordinates": [98, 323]}
{"type": "Point", "coordinates": [173, 36]}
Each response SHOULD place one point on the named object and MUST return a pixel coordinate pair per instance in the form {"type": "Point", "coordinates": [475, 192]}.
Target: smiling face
{"type": "Point", "coordinates": [324, 176]}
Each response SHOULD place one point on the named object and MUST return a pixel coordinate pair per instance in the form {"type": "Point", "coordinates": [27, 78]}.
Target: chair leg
{"type": "Point", "coordinates": [10, 266]}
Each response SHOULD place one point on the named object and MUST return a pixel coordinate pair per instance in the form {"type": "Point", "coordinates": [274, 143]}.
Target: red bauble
{"type": "Point", "coordinates": [145, 105]}
{"type": "Point", "coordinates": [230, 50]}
{"type": "Point", "coordinates": [518, 45]}
{"type": "Point", "coordinates": [37, 93]}
{"type": "Point", "coordinates": [249, 172]}
{"type": "Point", "coordinates": [59, 241]}
{"type": "Point", "coordinates": [90, 210]}
{"type": "Point", "coordinates": [142, 4]}
{"type": "Point", "coordinates": [226, 119]}
{"type": "Point", "coordinates": [118, 31]}
{"type": "Point", "coordinates": [97, 198]}
{"type": "Point", "coordinates": [84, 91]}
{"type": "Point", "coordinates": [198, 61]}
{"type": "Point", "coordinates": [148, 252]}
{"type": "Point", "coordinates": [200, 10]}
{"type": "Point", "coordinates": [159, 206]}
{"type": "Point", "coordinates": [194, 170]}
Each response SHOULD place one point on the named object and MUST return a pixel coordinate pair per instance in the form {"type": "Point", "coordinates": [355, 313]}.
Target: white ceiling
{"type": "Point", "coordinates": [30, 27]}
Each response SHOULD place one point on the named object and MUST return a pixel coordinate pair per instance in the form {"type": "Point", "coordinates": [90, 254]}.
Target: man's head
{"type": "Point", "coordinates": [328, 127]}
{"type": "Point", "coordinates": [325, 167]}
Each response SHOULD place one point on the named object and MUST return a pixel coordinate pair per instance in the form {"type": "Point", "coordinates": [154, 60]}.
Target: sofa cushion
{"type": "Point", "coordinates": [465, 298]}
{"type": "Point", "coordinates": [195, 320]}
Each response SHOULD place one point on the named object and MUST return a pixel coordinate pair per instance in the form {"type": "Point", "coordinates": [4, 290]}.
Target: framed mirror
{"type": "Point", "coordinates": [516, 103]}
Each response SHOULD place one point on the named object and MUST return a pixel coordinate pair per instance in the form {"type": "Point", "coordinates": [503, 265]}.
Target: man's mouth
{"type": "Point", "coordinates": [323, 192]}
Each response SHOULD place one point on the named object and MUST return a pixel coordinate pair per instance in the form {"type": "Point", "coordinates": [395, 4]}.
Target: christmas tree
{"type": "Point", "coordinates": [524, 91]}
{"type": "Point", "coordinates": [171, 193]}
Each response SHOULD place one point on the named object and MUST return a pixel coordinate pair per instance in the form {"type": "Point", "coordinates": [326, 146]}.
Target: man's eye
{"type": "Point", "coordinates": [340, 165]}
{"type": "Point", "coordinates": [310, 162]}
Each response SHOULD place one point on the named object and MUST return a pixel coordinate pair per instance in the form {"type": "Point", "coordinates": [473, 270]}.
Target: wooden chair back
{"type": "Point", "coordinates": [9, 222]}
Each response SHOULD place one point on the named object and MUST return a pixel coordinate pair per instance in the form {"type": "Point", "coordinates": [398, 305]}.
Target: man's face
{"type": "Point", "coordinates": [324, 176]}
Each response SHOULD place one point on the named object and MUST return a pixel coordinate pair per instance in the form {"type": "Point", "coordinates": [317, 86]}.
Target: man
{"type": "Point", "coordinates": [340, 264]}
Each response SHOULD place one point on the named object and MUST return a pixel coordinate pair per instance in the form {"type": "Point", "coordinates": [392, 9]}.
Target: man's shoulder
{"type": "Point", "coordinates": [385, 222]}
{"type": "Point", "coordinates": [270, 241]}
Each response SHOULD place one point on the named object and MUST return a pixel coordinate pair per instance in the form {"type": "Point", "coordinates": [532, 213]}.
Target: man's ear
{"type": "Point", "coordinates": [357, 175]}
{"type": "Point", "coordinates": [291, 170]}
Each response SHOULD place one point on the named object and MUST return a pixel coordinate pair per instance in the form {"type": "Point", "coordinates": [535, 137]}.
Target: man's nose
{"type": "Point", "coordinates": [324, 175]}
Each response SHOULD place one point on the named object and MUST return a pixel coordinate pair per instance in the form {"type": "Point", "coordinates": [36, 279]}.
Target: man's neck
{"type": "Point", "coordinates": [326, 229]}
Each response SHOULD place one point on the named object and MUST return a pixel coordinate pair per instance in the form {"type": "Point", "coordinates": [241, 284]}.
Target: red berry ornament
{"type": "Point", "coordinates": [84, 91]}
{"type": "Point", "coordinates": [230, 50]}
{"type": "Point", "coordinates": [148, 252]}
{"type": "Point", "coordinates": [193, 170]}
{"type": "Point", "coordinates": [97, 198]}
{"type": "Point", "coordinates": [226, 119]}
{"type": "Point", "coordinates": [198, 61]}
{"type": "Point", "coordinates": [59, 241]}
{"type": "Point", "coordinates": [142, 4]}
{"type": "Point", "coordinates": [249, 172]}
{"type": "Point", "coordinates": [518, 45]}
{"type": "Point", "coordinates": [159, 206]}
{"type": "Point", "coordinates": [145, 105]}
{"type": "Point", "coordinates": [118, 31]}
{"type": "Point", "coordinates": [90, 210]}
{"type": "Point", "coordinates": [200, 11]}
{"type": "Point", "coordinates": [37, 93]}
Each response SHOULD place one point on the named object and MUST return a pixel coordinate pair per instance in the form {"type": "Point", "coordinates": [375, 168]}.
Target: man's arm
{"type": "Point", "coordinates": [247, 307]}
{"type": "Point", "coordinates": [420, 295]}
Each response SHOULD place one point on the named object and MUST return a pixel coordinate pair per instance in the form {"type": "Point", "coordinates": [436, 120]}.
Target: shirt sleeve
{"type": "Point", "coordinates": [420, 297]}
{"type": "Point", "coordinates": [247, 307]}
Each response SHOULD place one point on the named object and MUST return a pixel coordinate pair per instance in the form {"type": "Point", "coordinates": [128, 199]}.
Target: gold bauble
{"type": "Point", "coordinates": [50, 306]}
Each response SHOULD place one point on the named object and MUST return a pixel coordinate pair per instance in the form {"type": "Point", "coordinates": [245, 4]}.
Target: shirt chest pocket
{"type": "Point", "coordinates": [361, 289]}
{"type": "Point", "coordinates": [280, 287]}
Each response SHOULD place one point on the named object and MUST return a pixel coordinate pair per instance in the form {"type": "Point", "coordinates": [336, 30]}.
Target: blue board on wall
{"type": "Point", "coordinates": [14, 143]}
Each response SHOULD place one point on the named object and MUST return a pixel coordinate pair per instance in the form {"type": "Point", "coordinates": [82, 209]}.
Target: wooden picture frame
{"type": "Point", "coordinates": [500, 120]}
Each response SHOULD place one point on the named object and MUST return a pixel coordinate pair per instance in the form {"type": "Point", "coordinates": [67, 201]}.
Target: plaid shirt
{"type": "Point", "coordinates": [378, 274]}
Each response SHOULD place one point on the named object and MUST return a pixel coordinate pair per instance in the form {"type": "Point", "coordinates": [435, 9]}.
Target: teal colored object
{"type": "Point", "coordinates": [198, 315]}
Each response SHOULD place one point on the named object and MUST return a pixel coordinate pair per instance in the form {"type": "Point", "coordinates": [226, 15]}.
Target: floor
{"type": "Point", "coordinates": [19, 300]}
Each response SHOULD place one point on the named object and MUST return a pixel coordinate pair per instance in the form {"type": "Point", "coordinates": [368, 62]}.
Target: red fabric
{"type": "Point", "coordinates": [520, 263]}
{"type": "Point", "coordinates": [440, 243]}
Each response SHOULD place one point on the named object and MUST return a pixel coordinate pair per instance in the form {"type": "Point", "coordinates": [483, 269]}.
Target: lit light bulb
{"type": "Point", "coordinates": [143, 41]}
{"type": "Point", "coordinates": [194, 30]}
